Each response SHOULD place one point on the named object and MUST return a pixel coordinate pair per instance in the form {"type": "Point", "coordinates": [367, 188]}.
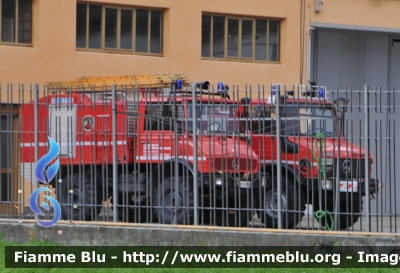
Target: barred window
{"type": "Point", "coordinates": [16, 21]}
{"type": "Point", "coordinates": [253, 39]}
{"type": "Point", "coordinates": [133, 30]}
{"type": "Point", "coordinates": [164, 117]}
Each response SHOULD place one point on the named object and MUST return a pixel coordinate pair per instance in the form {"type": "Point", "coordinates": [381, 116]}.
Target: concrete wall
{"type": "Point", "coordinates": [115, 234]}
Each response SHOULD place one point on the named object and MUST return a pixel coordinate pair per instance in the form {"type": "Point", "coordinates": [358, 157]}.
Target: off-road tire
{"type": "Point", "coordinates": [79, 198]}
{"type": "Point", "coordinates": [167, 209]}
{"type": "Point", "coordinates": [292, 204]}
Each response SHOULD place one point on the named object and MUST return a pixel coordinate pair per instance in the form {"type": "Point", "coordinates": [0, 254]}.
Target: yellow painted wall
{"type": "Point", "coordinates": [372, 13]}
{"type": "Point", "coordinates": [53, 55]}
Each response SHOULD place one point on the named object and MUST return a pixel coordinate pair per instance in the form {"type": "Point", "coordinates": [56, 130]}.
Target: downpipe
{"type": "Point", "coordinates": [310, 31]}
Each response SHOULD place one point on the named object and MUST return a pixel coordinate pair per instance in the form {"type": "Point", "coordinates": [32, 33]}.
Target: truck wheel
{"type": "Point", "coordinates": [171, 210]}
{"type": "Point", "coordinates": [129, 214]}
{"type": "Point", "coordinates": [350, 211]}
{"type": "Point", "coordinates": [292, 209]}
{"type": "Point", "coordinates": [79, 199]}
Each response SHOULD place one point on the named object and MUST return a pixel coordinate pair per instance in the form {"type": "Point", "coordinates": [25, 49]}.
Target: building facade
{"type": "Point", "coordinates": [257, 42]}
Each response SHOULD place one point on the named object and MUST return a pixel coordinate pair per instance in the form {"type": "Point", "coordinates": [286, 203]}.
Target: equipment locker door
{"type": "Point", "coordinates": [62, 128]}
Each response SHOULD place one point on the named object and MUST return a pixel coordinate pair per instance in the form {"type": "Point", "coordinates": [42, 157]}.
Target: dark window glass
{"type": "Point", "coordinates": [247, 38]}
{"type": "Point", "coordinates": [205, 35]}
{"type": "Point", "coordinates": [126, 29]}
{"type": "Point", "coordinates": [273, 53]}
{"type": "Point", "coordinates": [6, 139]}
{"type": "Point", "coordinates": [155, 34]}
{"type": "Point", "coordinates": [24, 21]}
{"type": "Point", "coordinates": [117, 30]}
{"type": "Point", "coordinates": [142, 31]}
{"type": "Point", "coordinates": [95, 26]}
{"type": "Point", "coordinates": [233, 37]}
{"type": "Point", "coordinates": [159, 117]}
{"type": "Point", "coordinates": [218, 36]}
{"type": "Point", "coordinates": [261, 40]}
{"type": "Point", "coordinates": [81, 11]}
{"type": "Point", "coordinates": [6, 187]}
{"type": "Point", "coordinates": [111, 28]}
{"type": "Point", "coordinates": [8, 21]}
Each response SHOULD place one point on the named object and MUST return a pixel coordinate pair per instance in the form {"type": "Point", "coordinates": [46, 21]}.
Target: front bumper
{"type": "Point", "coordinates": [355, 186]}
{"type": "Point", "coordinates": [230, 184]}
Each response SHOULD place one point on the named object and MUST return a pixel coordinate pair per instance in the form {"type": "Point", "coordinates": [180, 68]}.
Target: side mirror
{"type": "Point", "coordinates": [203, 85]}
{"type": "Point", "coordinates": [341, 101]}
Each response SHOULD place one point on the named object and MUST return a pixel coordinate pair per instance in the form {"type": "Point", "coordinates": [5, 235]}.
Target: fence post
{"type": "Point", "coordinates": [278, 152]}
{"type": "Point", "coordinates": [115, 167]}
{"type": "Point", "coordinates": [195, 189]}
{"type": "Point", "coordinates": [36, 126]}
{"type": "Point", "coordinates": [367, 160]}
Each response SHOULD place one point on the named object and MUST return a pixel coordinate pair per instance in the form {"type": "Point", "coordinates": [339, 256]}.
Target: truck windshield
{"type": "Point", "coordinates": [215, 118]}
{"type": "Point", "coordinates": [297, 120]}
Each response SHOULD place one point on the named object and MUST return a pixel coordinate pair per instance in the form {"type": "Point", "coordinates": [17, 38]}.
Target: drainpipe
{"type": "Point", "coordinates": [310, 30]}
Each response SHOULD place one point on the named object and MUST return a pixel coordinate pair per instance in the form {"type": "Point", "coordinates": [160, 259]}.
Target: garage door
{"type": "Point", "coordinates": [348, 60]}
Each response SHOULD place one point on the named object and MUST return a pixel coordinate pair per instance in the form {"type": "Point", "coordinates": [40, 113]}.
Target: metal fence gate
{"type": "Point", "coordinates": [282, 156]}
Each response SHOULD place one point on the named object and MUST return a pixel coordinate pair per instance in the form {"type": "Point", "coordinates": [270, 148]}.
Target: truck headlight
{"type": "Point", "coordinates": [263, 182]}
{"type": "Point", "coordinates": [326, 184]}
{"type": "Point", "coordinates": [218, 181]}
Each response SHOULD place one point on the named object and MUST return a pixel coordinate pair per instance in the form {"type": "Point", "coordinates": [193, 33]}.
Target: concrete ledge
{"type": "Point", "coordinates": [121, 234]}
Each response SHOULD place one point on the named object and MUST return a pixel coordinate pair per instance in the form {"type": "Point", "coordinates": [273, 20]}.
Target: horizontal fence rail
{"type": "Point", "coordinates": [282, 156]}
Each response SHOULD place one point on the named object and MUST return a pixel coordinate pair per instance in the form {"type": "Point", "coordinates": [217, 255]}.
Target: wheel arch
{"type": "Point", "coordinates": [168, 168]}
{"type": "Point", "coordinates": [286, 170]}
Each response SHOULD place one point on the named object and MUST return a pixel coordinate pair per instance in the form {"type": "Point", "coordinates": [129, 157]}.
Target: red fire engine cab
{"type": "Point", "coordinates": [315, 158]}
{"type": "Point", "coordinates": [155, 149]}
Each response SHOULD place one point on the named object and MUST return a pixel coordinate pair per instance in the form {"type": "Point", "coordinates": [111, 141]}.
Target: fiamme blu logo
{"type": "Point", "coordinates": [45, 172]}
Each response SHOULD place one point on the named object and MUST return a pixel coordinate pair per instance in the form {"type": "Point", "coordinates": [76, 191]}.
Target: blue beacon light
{"type": "Point", "coordinates": [273, 92]}
{"type": "Point", "coordinates": [221, 86]}
{"type": "Point", "coordinates": [322, 92]}
{"type": "Point", "coordinates": [179, 84]}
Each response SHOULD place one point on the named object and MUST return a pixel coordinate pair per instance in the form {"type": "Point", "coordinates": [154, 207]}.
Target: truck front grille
{"type": "Point", "coordinates": [349, 168]}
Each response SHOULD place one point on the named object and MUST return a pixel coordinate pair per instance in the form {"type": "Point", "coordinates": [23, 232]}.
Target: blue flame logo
{"type": "Point", "coordinates": [45, 160]}
{"type": "Point", "coordinates": [51, 171]}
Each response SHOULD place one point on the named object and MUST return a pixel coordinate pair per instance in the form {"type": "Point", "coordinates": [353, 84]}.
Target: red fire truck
{"type": "Point", "coordinates": [155, 149]}
{"type": "Point", "coordinates": [315, 156]}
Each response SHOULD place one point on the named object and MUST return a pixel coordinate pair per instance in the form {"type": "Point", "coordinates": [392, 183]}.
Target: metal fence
{"type": "Point", "coordinates": [282, 156]}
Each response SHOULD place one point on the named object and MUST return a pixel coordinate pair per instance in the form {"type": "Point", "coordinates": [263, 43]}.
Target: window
{"type": "Point", "coordinates": [9, 160]}
{"type": "Point", "coordinates": [118, 28]}
{"type": "Point", "coordinates": [215, 118]}
{"type": "Point", "coordinates": [16, 21]}
{"type": "Point", "coordinates": [164, 117]}
{"type": "Point", "coordinates": [240, 38]}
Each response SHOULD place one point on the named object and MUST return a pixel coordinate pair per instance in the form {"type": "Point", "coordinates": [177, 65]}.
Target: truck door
{"type": "Point", "coordinates": [156, 142]}
{"type": "Point", "coordinates": [263, 132]}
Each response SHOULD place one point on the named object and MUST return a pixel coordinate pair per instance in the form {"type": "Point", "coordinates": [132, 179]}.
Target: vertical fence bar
{"type": "Point", "coordinates": [337, 187]}
{"type": "Point", "coordinates": [115, 167]}
{"type": "Point", "coordinates": [195, 189]}
{"type": "Point", "coordinates": [278, 152]}
{"type": "Point", "coordinates": [367, 160]}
